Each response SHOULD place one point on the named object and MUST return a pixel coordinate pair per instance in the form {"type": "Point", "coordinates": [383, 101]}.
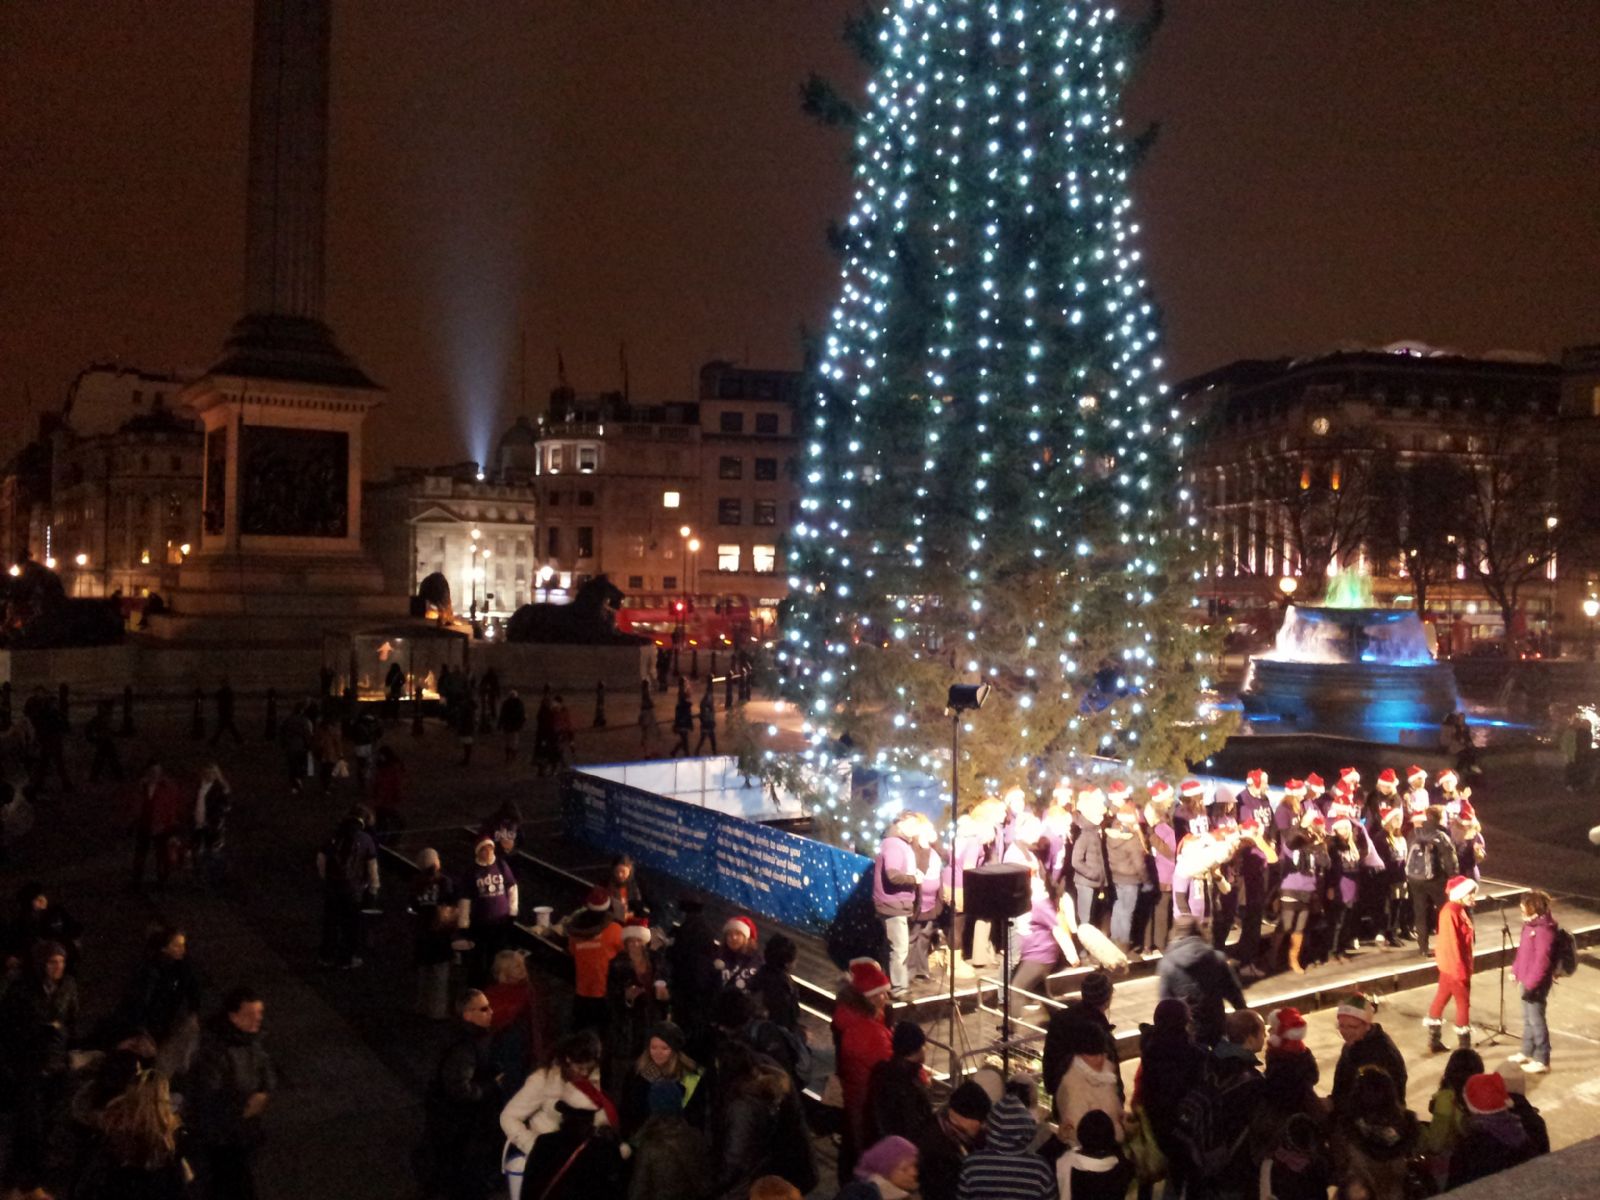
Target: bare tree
{"type": "Point", "coordinates": [1418, 517]}
{"type": "Point", "coordinates": [1513, 531]}
{"type": "Point", "coordinates": [1326, 504]}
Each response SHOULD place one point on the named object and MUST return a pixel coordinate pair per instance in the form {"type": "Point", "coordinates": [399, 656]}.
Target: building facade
{"type": "Point", "coordinates": [1407, 466]}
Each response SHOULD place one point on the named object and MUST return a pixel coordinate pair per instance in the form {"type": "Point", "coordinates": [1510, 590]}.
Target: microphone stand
{"type": "Point", "coordinates": [1500, 1031]}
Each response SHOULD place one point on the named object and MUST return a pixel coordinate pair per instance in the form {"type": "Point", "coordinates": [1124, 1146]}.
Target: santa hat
{"type": "Point", "coordinates": [1388, 778]}
{"type": "Point", "coordinates": [598, 899]}
{"type": "Point", "coordinates": [743, 923]}
{"type": "Point", "coordinates": [1465, 812]}
{"type": "Point", "coordinates": [1118, 790]}
{"type": "Point", "coordinates": [1128, 813]}
{"type": "Point", "coordinates": [1350, 777]}
{"type": "Point", "coordinates": [1389, 811]}
{"type": "Point", "coordinates": [1091, 795]}
{"type": "Point", "coordinates": [1160, 792]}
{"type": "Point", "coordinates": [1314, 783]}
{"type": "Point", "coordinates": [1446, 778]}
{"type": "Point", "coordinates": [1485, 1094]}
{"type": "Point", "coordinates": [1362, 1007]}
{"type": "Point", "coordinates": [636, 930]}
{"type": "Point", "coordinates": [867, 977]}
{"type": "Point", "coordinates": [1248, 825]}
{"type": "Point", "coordinates": [1416, 775]}
{"type": "Point", "coordinates": [1256, 778]}
{"type": "Point", "coordinates": [1460, 887]}
{"type": "Point", "coordinates": [1191, 787]}
{"type": "Point", "coordinates": [483, 839]}
{"type": "Point", "coordinates": [1315, 820]}
{"type": "Point", "coordinates": [1286, 1030]}
{"type": "Point", "coordinates": [1293, 787]}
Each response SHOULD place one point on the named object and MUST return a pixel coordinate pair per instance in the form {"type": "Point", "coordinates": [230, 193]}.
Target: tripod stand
{"type": "Point", "coordinates": [1500, 1031]}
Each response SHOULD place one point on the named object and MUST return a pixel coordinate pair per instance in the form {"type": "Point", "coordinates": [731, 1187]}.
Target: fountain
{"type": "Point", "coordinates": [1348, 669]}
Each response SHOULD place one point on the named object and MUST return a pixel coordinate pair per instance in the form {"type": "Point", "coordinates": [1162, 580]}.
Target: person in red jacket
{"type": "Point", "coordinates": [861, 1040]}
{"type": "Point", "coordinates": [156, 805]}
{"type": "Point", "coordinates": [1453, 952]}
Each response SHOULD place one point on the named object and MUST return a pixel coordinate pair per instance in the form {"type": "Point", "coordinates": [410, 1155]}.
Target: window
{"type": "Point", "coordinates": [766, 422]}
{"type": "Point", "coordinates": [729, 512]}
{"type": "Point", "coordinates": [635, 583]}
{"type": "Point", "coordinates": [728, 556]}
{"type": "Point", "coordinates": [766, 468]}
{"type": "Point", "coordinates": [585, 499]}
{"type": "Point", "coordinates": [636, 545]}
{"type": "Point", "coordinates": [500, 547]}
{"type": "Point", "coordinates": [554, 463]}
{"type": "Point", "coordinates": [764, 558]}
{"type": "Point", "coordinates": [671, 499]}
{"type": "Point", "coordinates": [669, 583]}
{"type": "Point", "coordinates": [553, 499]}
{"type": "Point", "coordinates": [585, 541]}
{"type": "Point", "coordinates": [519, 548]}
{"type": "Point", "coordinates": [733, 422]}
{"type": "Point", "coordinates": [730, 467]}
{"type": "Point", "coordinates": [765, 513]}
{"type": "Point", "coordinates": [588, 459]}
{"type": "Point", "coordinates": [552, 542]}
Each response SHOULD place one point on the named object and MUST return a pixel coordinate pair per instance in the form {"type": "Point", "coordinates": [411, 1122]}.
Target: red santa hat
{"type": "Point", "coordinates": [1315, 783]}
{"type": "Point", "coordinates": [1160, 791]}
{"type": "Point", "coordinates": [1486, 1093]}
{"type": "Point", "coordinates": [867, 977]}
{"type": "Point", "coordinates": [1248, 825]}
{"type": "Point", "coordinates": [1388, 778]}
{"type": "Point", "coordinates": [1465, 811]}
{"type": "Point", "coordinates": [1286, 1030]}
{"type": "Point", "coordinates": [1128, 813]}
{"type": "Point", "coordinates": [1339, 810]}
{"type": "Point", "coordinates": [482, 840]}
{"type": "Point", "coordinates": [598, 899]}
{"type": "Point", "coordinates": [637, 929]}
{"type": "Point", "coordinates": [743, 923]}
{"type": "Point", "coordinates": [1390, 814]}
{"type": "Point", "coordinates": [1191, 787]}
{"type": "Point", "coordinates": [1460, 887]}
{"type": "Point", "coordinates": [1446, 778]}
{"type": "Point", "coordinates": [1293, 786]}
{"type": "Point", "coordinates": [1350, 777]}
{"type": "Point", "coordinates": [1118, 790]}
{"type": "Point", "coordinates": [1416, 776]}
{"type": "Point", "coordinates": [1256, 778]}
{"type": "Point", "coordinates": [1315, 820]}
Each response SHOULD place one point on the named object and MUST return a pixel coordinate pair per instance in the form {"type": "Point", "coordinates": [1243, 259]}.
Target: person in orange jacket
{"type": "Point", "coordinates": [1453, 952]}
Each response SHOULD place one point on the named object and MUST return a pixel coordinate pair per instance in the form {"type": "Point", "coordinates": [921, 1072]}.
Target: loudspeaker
{"type": "Point", "coordinates": [997, 892]}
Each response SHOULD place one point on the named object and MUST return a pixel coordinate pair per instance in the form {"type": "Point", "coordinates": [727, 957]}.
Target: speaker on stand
{"type": "Point", "coordinates": [999, 893]}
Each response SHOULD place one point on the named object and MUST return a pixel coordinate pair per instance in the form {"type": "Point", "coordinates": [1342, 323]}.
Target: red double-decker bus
{"type": "Point", "coordinates": [706, 621]}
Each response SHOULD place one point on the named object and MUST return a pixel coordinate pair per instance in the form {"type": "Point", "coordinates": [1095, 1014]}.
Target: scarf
{"type": "Point", "coordinates": [599, 1099]}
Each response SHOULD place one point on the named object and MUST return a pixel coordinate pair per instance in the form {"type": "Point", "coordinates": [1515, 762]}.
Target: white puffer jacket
{"type": "Point", "coordinates": [532, 1111]}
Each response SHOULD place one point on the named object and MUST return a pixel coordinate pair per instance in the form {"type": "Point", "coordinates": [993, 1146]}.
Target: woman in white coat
{"type": "Point", "coordinates": [574, 1076]}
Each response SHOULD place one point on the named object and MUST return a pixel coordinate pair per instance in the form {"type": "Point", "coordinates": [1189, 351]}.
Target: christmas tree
{"type": "Point", "coordinates": [989, 461]}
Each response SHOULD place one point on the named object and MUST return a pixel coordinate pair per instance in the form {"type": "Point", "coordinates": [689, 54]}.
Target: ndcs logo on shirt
{"type": "Point", "coordinates": [492, 885]}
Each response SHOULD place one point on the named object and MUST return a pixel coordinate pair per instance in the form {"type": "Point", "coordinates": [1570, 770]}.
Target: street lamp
{"type": "Point", "coordinates": [690, 543]}
{"type": "Point", "coordinates": [1288, 585]}
{"type": "Point", "coordinates": [961, 699]}
{"type": "Point", "coordinates": [1591, 609]}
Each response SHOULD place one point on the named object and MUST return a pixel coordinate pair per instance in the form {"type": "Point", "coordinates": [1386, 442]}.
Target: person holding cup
{"type": "Point", "coordinates": [636, 1000]}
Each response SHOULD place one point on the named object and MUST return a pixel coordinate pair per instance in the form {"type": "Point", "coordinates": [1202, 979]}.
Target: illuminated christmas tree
{"type": "Point", "coordinates": [989, 461]}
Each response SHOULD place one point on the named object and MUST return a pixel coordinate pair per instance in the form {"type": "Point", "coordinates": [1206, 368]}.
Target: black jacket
{"type": "Point", "coordinates": [1202, 977]}
{"type": "Point", "coordinates": [595, 1171]}
{"type": "Point", "coordinates": [1170, 1064]}
{"type": "Point", "coordinates": [940, 1150]}
{"type": "Point", "coordinates": [897, 1101]}
{"type": "Point", "coordinates": [463, 1097]}
{"type": "Point", "coordinates": [670, 1162]}
{"type": "Point", "coordinates": [1089, 867]}
{"type": "Point", "coordinates": [1374, 1049]}
{"type": "Point", "coordinates": [162, 993]}
{"type": "Point", "coordinates": [229, 1068]}
{"type": "Point", "coordinates": [1065, 1026]}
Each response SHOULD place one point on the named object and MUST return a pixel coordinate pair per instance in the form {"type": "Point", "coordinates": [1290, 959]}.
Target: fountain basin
{"type": "Point", "coordinates": [1363, 673]}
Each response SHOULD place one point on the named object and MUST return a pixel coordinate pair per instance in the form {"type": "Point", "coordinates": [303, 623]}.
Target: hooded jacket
{"type": "Point", "coordinates": [863, 1042]}
{"type": "Point", "coordinates": [1490, 1143]}
{"type": "Point", "coordinates": [1199, 975]}
{"type": "Point", "coordinates": [1453, 950]}
{"type": "Point", "coordinates": [1089, 867]}
{"type": "Point", "coordinates": [1007, 1168]}
{"type": "Point", "coordinates": [1534, 965]}
{"type": "Point", "coordinates": [230, 1066]}
{"type": "Point", "coordinates": [941, 1150]}
{"type": "Point", "coordinates": [1083, 1089]}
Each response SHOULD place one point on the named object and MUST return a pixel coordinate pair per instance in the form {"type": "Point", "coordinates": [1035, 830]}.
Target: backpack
{"type": "Point", "coordinates": [1564, 953]}
{"type": "Point", "coordinates": [1419, 859]}
{"type": "Point", "coordinates": [1213, 1119]}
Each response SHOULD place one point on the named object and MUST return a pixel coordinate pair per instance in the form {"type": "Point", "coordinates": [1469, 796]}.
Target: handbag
{"type": "Point", "coordinates": [1149, 1160]}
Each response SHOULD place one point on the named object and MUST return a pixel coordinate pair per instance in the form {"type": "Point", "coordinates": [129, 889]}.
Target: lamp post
{"type": "Point", "coordinates": [1591, 609]}
{"type": "Point", "coordinates": [962, 698]}
{"type": "Point", "coordinates": [1288, 585]}
{"type": "Point", "coordinates": [681, 634]}
{"type": "Point", "coordinates": [472, 579]}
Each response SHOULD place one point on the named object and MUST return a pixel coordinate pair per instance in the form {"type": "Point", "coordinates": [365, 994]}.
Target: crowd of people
{"type": "Point", "coordinates": [160, 1100]}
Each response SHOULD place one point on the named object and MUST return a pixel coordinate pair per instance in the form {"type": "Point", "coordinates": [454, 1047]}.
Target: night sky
{"type": "Point", "coordinates": [596, 172]}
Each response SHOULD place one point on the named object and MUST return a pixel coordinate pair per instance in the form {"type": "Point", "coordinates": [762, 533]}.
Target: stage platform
{"type": "Point", "coordinates": [553, 870]}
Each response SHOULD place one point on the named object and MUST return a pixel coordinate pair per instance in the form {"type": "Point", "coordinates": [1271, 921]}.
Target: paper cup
{"type": "Point", "coordinates": [541, 916]}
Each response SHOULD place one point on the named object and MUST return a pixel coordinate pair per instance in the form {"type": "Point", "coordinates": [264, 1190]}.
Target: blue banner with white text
{"type": "Point", "coordinates": [781, 875]}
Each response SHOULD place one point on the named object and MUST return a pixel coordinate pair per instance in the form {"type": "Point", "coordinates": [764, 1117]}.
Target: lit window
{"type": "Point", "coordinates": [670, 499]}
{"type": "Point", "coordinates": [728, 556]}
{"type": "Point", "coordinates": [555, 460]}
{"type": "Point", "coordinates": [588, 458]}
{"type": "Point", "coordinates": [764, 558]}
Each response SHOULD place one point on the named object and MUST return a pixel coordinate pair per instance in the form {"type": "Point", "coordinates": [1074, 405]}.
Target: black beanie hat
{"type": "Point", "coordinates": [970, 1101]}
{"type": "Point", "coordinates": [1097, 1136]}
{"type": "Point", "coordinates": [1095, 989]}
{"type": "Point", "coordinates": [908, 1039]}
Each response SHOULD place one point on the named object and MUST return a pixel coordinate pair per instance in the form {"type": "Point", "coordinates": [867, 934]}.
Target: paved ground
{"type": "Point", "coordinates": [355, 1063]}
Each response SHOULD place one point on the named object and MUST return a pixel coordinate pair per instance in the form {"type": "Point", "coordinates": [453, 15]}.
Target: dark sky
{"type": "Point", "coordinates": [597, 171]}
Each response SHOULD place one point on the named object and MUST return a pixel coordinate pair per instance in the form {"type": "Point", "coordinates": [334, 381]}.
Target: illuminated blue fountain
{"type": "Point", "coordinates": [1350, 670]}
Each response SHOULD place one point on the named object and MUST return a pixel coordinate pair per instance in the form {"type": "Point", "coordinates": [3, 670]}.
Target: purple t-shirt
{"type": "Point", "coordinates": [491, 893]}
{"type": "Point", "coordinates": [1167, 836]}
{"type": "Point", "coordinates": [1039, 942]}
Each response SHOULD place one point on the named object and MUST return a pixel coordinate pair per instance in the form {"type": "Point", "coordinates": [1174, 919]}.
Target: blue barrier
{"type": "Point", "coordinates": [780, 875]}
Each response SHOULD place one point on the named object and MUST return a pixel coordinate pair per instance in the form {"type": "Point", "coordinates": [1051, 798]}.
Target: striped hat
{"type": "Point", "coordinates": [1360, 1006]}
